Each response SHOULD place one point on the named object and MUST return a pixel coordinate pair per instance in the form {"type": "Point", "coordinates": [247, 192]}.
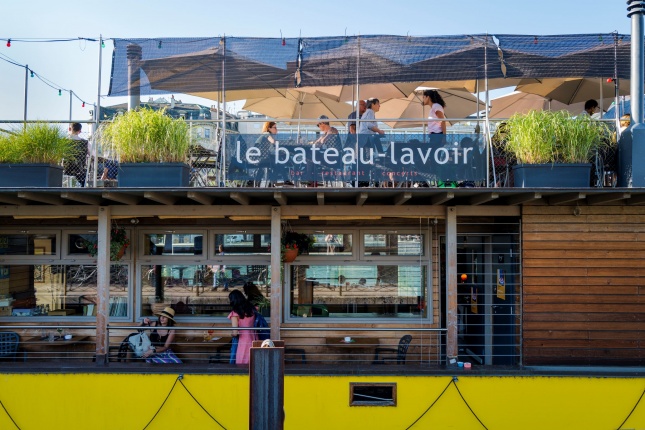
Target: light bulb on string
{"type": "Point", "coordinates": [83, 105]}
{"type": "Point", "coordinates": [31, 73]}
{"type": "Point", "coordinates": [102, 44]}
{"type": "Point", "coordinates": [8, 43]}
{"type": "Point", "coordinates": [159, 46]}
{"type": "Point", "coordinates": [60, 92]}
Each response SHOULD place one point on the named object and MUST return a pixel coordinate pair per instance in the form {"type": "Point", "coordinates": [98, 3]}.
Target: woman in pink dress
{"type": "Point", "coordinates": [242, 315]}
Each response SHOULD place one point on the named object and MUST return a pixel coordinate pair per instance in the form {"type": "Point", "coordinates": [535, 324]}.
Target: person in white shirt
{"type": "Point", "coordinates": [433, 99]}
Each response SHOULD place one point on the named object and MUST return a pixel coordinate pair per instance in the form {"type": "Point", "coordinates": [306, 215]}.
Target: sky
{"type": "Point", "coordinates": [74, 65]}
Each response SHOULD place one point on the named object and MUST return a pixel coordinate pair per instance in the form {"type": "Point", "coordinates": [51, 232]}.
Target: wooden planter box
{"type": "Point", "coordinates": [154, 175]}
{"type": "Point", "coordinates": [552, 175]}
{"type": "Point", "coordinates": [31, 175]}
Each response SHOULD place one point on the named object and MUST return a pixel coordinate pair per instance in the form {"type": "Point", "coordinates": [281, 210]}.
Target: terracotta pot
{"type": "Point", "coordinates": [290, 254]}
{"type": "Point", "coordinates": [119, 255]}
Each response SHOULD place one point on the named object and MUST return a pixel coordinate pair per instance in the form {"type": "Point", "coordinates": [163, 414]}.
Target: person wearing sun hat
{"type": "Point", "coordinates": [161, 338]}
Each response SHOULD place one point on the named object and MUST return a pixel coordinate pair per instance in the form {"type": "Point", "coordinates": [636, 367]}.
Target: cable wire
{"type": "Point", "coordinates": [200, 405]}
{"type": "Point", "coordinates": [17, 426]}
{"type": "Point", "coordinates": [164, 402]}
{"type": "Point", "coordinates": [632, 411]}
{"type": "Point", "coordinates": [429, 407]}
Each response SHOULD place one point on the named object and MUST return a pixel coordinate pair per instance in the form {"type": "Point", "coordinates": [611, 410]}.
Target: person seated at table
{"type": "Point", "coordinates": [329, 137]}
{"type": "Point", "coordinates": [242, 315]}
{"type": "Point", "coordinates": [161, 338]}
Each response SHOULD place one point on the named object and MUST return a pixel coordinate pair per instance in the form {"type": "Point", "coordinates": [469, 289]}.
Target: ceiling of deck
{"type": "Point", "coordinates": [317, 196]}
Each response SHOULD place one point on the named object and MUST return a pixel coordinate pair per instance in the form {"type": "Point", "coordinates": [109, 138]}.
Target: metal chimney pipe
{"type": "Point", "coordinates": [635, 11]}
{"type": "Point", "coordinates": [134, 53]}
{"type": "Point", "coordinates": [631, 145]}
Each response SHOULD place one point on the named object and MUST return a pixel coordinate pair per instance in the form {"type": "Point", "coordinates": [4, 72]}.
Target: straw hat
{"type": "Point", "coordinates": [168, 312]}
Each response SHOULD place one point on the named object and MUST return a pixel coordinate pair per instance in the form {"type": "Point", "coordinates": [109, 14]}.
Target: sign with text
{"type": "Point", "coordinates": [368, 159]}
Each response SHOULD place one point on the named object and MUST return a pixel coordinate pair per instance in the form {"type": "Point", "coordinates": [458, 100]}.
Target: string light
{"type": "Point", "coordinates": [31, 73]}
{"type": "Point", "coordinates": [60, 92]}
{"type": "Point", "coordinates": [83, 104]}
{"type": "Point", "coordinates": [8, 43]}
{"type": "Point", "coordinates": [159, 46]}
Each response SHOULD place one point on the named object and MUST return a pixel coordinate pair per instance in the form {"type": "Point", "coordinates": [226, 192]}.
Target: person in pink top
{"type": "Point", "coordinates": [242, 315]}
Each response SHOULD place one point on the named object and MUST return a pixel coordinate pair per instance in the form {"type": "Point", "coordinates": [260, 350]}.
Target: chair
{"type": "Point", "coordinates": [9, 342]}
{"type": "Point", "coordinates": [222, 354]}
{"type": "Point", "coordinates": [400, 352]}
{"type": "Point", "coordinates": [290, 355]}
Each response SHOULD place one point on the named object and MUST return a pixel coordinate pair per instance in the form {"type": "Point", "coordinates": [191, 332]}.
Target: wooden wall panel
{"type": "Point", "coordinates": [583, 285]}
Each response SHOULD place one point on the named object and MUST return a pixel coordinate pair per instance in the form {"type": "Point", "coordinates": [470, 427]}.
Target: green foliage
{"type": "Point", "coordinates": [36, 143]}
{"type": "Point", "coordinates": [118, 240]}
{"type": "Point", "coordinates": [148, 136]}
{"type": "Point", "coordinates": [300, 241]}
{"type": "Point", "coordinates": [541, 137]}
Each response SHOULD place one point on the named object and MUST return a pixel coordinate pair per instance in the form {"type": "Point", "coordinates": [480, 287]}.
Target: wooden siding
{"type": "Point", "coordinates": [583, 285]}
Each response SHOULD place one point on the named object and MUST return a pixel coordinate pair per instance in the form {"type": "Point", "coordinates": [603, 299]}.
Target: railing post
{"type": "Point", "coordinates": [103, 284]}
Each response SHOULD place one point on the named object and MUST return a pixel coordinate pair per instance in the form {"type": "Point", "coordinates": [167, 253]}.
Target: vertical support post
{"type": "Point", "coordinates": [266, 378]}
{"type": "Point", "coordinates": [452, 349]}
{"type": "Point", "coordinates": [97, 118]}
{"type": "Point", "coordinates": [70, 105]}
{"type": "Point", "coordinates": [276, 272]}
{"type": "Point", "coordinates": [103, 284]}
{"type": "Point", "coordinates": [26, 92]}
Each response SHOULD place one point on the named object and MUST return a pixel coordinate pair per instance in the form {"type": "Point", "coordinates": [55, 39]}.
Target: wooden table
{"type": "Point", "coordinates": [360, 349]}
{"type": "Point", "coordinates": [194, 348]}
{"type": "Point", "coordinates": [40, 347]}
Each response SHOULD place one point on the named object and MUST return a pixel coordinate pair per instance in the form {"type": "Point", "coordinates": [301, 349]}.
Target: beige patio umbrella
{"type": "Point", "coordinates": [517, 102]}
{"type": "Point", "coordinates": [459, 104]}
{"type": "Point", "coordinates": [298, 105]}
{"type": "Point", "coordinates": [390, 90]}
{"type": "Point", "coordinates": [573, 90]}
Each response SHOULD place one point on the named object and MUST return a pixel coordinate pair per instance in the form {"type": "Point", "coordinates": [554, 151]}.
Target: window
{"type": "Point", "coordinates": [27, 243]}
{"type": "Point", "coordinates": [388, 244]}
{"type": "Point", "coordinates": [332, 243]}
{"type": "Point", "coordinates": [173, 243]}
{"type": "Point", "coordinates": [60, 290]}
{"type": "Point", "coordinates": [198, 289]}
{"type": "Point", "coordinates": [364, 291]}
{"type": "Point", "coordinates": [242, 243]}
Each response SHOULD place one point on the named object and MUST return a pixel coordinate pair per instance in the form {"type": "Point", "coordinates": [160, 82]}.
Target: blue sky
{"type": "Point", "coordinates": [74, 65]}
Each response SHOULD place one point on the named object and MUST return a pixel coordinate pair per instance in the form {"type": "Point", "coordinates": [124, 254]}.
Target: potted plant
{"type": "Point", "coordinates": [294, 244]}
{"type": "Point", "coordinates": [553, 149]}
{"type": "Point", "coordinates": [152, 148]}
{"type": "Point", "coordinates": [119, 242]}
{"type": "Point", "coordinates": [33, 156]}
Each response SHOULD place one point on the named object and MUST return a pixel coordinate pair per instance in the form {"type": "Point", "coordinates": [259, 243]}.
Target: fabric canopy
{"type": "Point", "coordinates": [326, 61]}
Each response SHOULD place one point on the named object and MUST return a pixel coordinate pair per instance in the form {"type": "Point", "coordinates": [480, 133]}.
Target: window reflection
{"type": "Point", "coordinates": [173, 244]}
{"type": "Point", "coordinates": [331, 243]}
{"type": "Point", "coordinates": [393, 244]}
{"type": "Point", "coordinates": [242, 243]}
{"type": "Point", "coordinates": [198, 290]}
{"type": "Point", "coordinates": [59, 290]}
{"type": "Point", "coordinates": [28, 244]}
{"type": "Point", "coordinates": [377, 291]}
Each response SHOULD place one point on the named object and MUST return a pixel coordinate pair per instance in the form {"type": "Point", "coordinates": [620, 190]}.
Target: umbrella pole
{"type": "Point", "coordinates": [358, 118]}
{"type": "Point", "coordinates": [489, 142]}
{"type": "Point", "coordinates": [223, 141]}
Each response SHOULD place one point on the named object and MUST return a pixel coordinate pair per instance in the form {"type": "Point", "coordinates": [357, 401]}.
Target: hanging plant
{"type": "Point", "coordinates": [119, 242]}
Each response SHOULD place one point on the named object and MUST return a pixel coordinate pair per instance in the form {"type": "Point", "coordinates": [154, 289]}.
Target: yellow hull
{"type": "Point", "coordinates": [131, 401]}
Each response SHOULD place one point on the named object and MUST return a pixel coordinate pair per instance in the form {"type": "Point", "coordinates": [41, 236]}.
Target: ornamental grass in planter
{"type": "Point", "coordinates": [545, 142]}
{"type": "Point", "coordinates": [143, 140]}
{"type": "Point", "coordinates": [32, 156]}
